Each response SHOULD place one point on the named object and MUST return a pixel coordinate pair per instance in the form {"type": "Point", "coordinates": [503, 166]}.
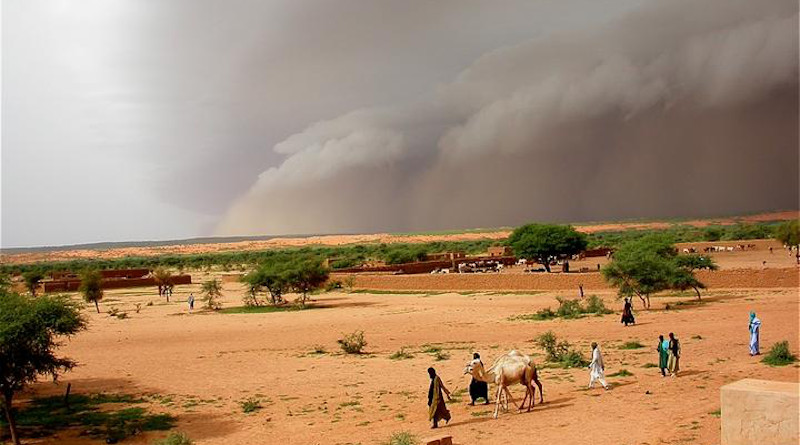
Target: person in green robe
{"type": "Point", "coordinates": [437, 409]}
{"type": "Point", "coordinates": [674, 355]}
{"type": "Point", "coordinates": [663, 354]}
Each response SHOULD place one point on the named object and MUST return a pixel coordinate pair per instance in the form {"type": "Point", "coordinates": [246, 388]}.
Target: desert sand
{"type": "Point", "coordinates": [199, 366]}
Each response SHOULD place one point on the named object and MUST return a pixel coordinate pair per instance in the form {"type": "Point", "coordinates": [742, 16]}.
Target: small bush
{"type": "Point", "coordinates": [779, 355]}
{"type": "Point", "coordinates": [353, 343]}
{"type": "Point", "coordinates": [401, 355]}
{"type": "Point", "coordinates": [333, 285]}
{"type": "Point", "coordinates": [122, 315]}
{"type": "Point", "coordinates": [113, 312]}
{"type": "Point", "coordinates": [319, 349]}
{"type": "Point", "coordinates": [569, 308]}
{"type": "Point", "coordinates": [596, 305]}
{"type": "Point", "coordinates": [250, 405]}
{"type": "Point", "coordinates": [650, 365]}
{"type": "Point", "coordinates": [441, 355]}
{"type": "Point", "coordinates": [621, 373]}
{"type": "Point", "coordinates": [560, 352]}
{"type": "Point", "coordinates": [175, 439]}
{"type": "Point", "coordinates": [402, 438]}
{"type": "Point", "coordinates": [632, 345]}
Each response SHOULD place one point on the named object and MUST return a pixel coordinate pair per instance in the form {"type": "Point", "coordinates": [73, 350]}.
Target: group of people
{"type": "Point", "coordinates": [669, 355]}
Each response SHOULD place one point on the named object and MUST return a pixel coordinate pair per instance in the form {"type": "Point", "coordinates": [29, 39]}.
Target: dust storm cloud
{"type": "Point", "coordinates": [678, 108]}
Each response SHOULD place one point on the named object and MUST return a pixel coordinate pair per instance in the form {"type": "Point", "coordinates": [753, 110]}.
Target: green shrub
{"type": "Point", "coordinates": [621, 373]}
{"type": "Point", "coordinates": [402, 438]}
{"type": "Point", "coordinates": [779, 355]}
{"type": "Point", "coordinates": [249, 405]}
{"type": "Point", "coordinates": [175, 439]}
{"type": "Point", "coordinates": [560, 352]}
{"type": "Point", "coordinates": [401, 355]}
{"type": "Point", "coordinates": [634, 344]}
{"type": "Point", "coordinates": [353, 343]}
{"type": "Point", "coordinates": [333, 285]}
{"type": "Point", "coordinates": [596, 305]}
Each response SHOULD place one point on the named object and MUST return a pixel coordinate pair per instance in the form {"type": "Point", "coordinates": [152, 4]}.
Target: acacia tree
{"type": "Point", "coordinates": [307, 275]}
{"type": "Point", "coordinates": [163, 278]}
{"type": "Point", "coordinates": [789, 234]}
{"type": "Point", "coordinates": [29, 332]}
{"type": "Point", "coordinates": [92, 287]}
{"type": "Point", "coordinates": [546, 242]}
{"type": "Point", "coordinates": [272, 275]}
{"type": "Point", "coordinates": [684, 277]}
{"type": "Point", "coordinates": [212, 290]}
{"type": "Point", "coordinates": [643, 267]}
{"type": "Point", "coordinates": [32, 279]}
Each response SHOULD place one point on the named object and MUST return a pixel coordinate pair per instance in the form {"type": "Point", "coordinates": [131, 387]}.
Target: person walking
{"type": "Point", "coordinates": [755, 328]}
{"type": "Point", "coordinates": [597, 368]}
{"type": "Point", "coordinates": [663, 354]}
{"type": "Point", "coordinates": [191, 302]}
{"type": "Point", "coordinates": [673, 361]}
{"type": "Point", "coordinates": [627, 313]}
{"type": "Point", "coordinates": [478, 389]}
{"type": "Point", "coordinates": [437, 409]}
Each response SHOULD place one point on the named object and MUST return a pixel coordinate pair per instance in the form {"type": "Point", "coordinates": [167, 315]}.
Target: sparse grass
{"type": "Point", "coordinates": [779, 355]}
{"type": "Point", "coordinates": [480, 413]}
{"type": "Point", "coordinates": [568, 309]}
{"type": "Point", "coordinates": [716, 413]}
{"type": "Point", "coordinates": [650, 365]}
{"type": "Point", "coordinates": [402, 438]}
{"type": "Point", "coordinates": [634, 344]}
{"type": "Point", "coordinates": [402, 354]}
{"type": "Point", "coordinates": [441, 355]}
{"type": "Point", "coordinates": [251, 404]}
{"type": "Point", "coordinates": [621, 373]}
{"type": "Point", "coordinates": [175, 439]}
{"type": "Point", "coordinates": [45, 416]}
{"type": "Point", "coordinates": [393, 292]}
{"type": "Point", "coordinates": [264, 309]}
{"type": "Point", "coordinates": [697, 337]}
{"type": "Point", "coordinates": [353, 343]}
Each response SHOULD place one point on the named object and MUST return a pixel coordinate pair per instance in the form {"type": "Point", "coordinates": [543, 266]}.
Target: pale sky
{"type": "Point", "coordinates": [142, 120]}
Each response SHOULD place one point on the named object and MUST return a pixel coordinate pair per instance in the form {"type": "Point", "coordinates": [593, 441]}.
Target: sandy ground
{"type": "Point", "coordinates": [337, 240]}
{"type": "Point", "coordinates": [207, 363]}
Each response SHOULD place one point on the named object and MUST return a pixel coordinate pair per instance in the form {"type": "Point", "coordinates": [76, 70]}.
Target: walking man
{"type": "Point", "coordinates": [755, 327]}
{"type": "Point", "coordinates": [191, 302]}
{"type": "Point", "coordinates": [597, 369]}
{"type": "Point", "coordinates": [673, 361]}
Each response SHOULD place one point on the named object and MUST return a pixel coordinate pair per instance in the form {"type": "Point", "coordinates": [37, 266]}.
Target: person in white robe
{"type": "Point", "coordinates": [755, 327]}
{"type": "Point", "coordinates": [596, 368]}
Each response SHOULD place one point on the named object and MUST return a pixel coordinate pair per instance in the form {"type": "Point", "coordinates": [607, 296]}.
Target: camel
{"type": "Point", "coordinates": [509, 369]}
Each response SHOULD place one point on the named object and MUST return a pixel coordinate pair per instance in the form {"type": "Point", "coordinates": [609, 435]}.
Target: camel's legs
{"type": "Point", "coordinates": [510, 397]}
{"type": "Point", "coordinates": [539, 384]}
{"type": "Point", "coordinates": [497, 403]}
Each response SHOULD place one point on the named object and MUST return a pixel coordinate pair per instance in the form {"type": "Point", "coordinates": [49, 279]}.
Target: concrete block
{"type": "Point", "coordinates": [760, 412]}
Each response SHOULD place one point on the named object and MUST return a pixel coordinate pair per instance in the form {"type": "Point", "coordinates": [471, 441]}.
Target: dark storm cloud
{"type": "Point", "coordinates": [678, 108]}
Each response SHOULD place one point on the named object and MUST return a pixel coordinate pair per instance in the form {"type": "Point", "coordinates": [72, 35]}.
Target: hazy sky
{"type": "Point", "coordinates": [133, 120]}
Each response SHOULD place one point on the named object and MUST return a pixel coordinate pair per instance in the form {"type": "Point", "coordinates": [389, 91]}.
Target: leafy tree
{"type": "Point", "coordinates": [163, 279]}
{"type": "Point", "coordinates": [29, 333]}
{"type": "Point", "coordinates": [789, 234]}
{"type": "Point", "coordinates": [32, 279]}
{"type": "Point", "coordinates": [307, 275]}
{"type": "Point", "coordinates": [92, 287]}
{"type": "Point", "coordinates": [272, 275]}
{"type": "Point", "coordinates": [212, 290]}
{"type": "Point", "coordinates": [643, 267]}
{"type": "Point", "coordinates": [546, 242]}
{"type": "Point", "coordinates": [684, 277]}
